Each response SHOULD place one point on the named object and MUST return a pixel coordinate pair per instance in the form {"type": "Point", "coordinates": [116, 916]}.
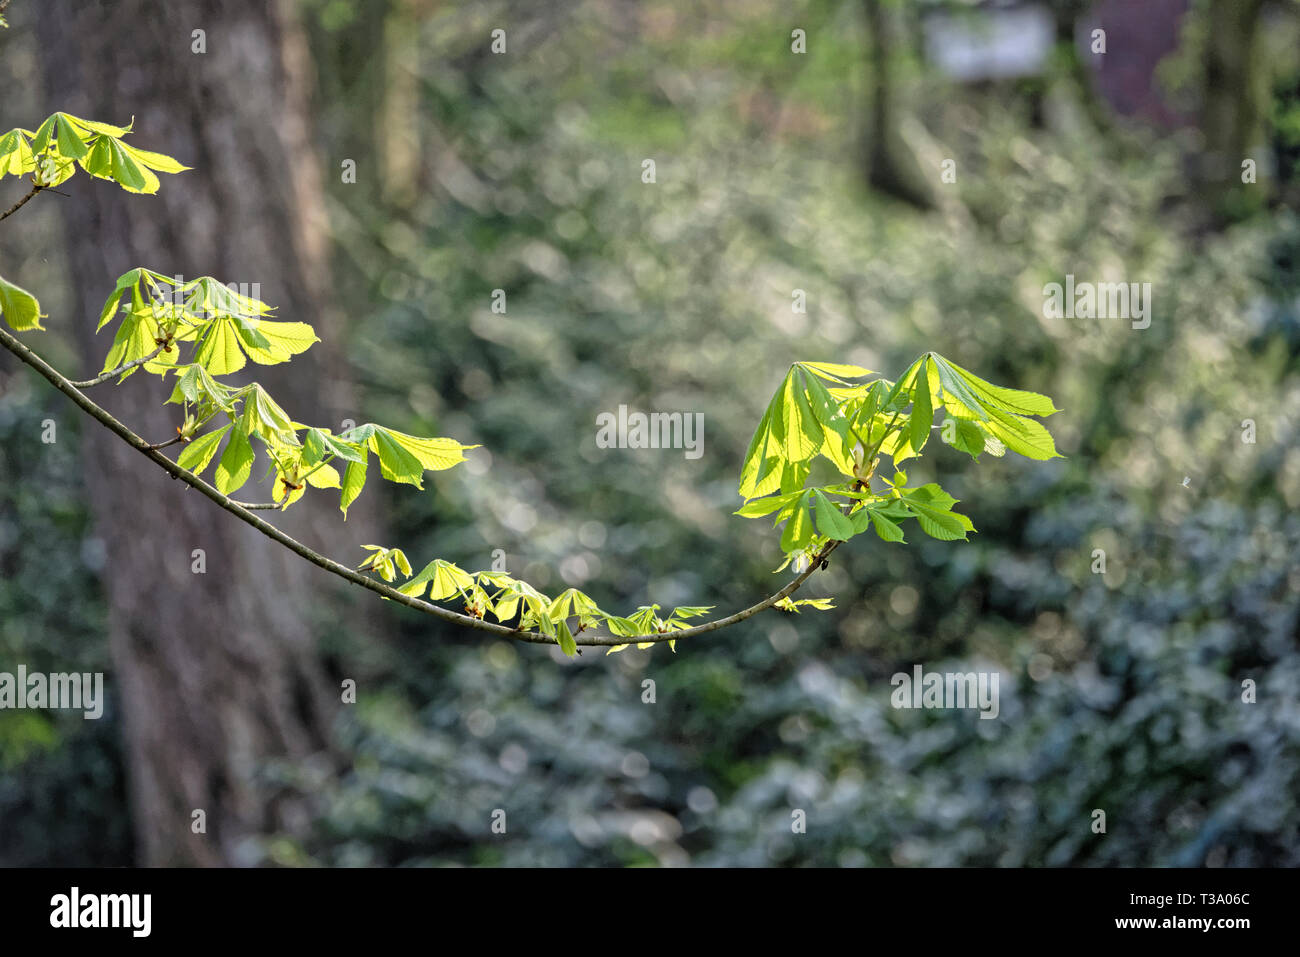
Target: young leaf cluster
{"type": "Point", "coordinates": [222, 329]}
{"type": "Point", "coordinates": [53, 151]}
{"type": "Point", "coordinates": [511, 601]}
{"type": "Point", "coordinates": [826, 411]}
{"type": "Point", "coordinates": [200, 330]}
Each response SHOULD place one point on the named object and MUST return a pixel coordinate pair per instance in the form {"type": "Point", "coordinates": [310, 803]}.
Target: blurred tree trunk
{"type": "Point", "coordinates": [216, 673]}
{"type": "Point", "coordinates": [1232, 107]}
{"type": "Point", "coordinates": [1069, 64]}
{"type": "Point", "coordinates": [891, 165]}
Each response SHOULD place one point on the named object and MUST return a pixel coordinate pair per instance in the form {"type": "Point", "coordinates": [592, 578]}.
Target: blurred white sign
{"type": "Point", "coordinates": [991, 43]}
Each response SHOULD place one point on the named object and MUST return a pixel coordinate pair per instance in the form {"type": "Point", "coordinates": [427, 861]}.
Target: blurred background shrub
{"type": "Point", "coordinates": [521, 172]}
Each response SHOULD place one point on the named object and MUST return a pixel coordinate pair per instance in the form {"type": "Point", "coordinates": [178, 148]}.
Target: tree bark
{"type": "Point", "coordinates": [1232, 111]}
{"type": "Point", "coordinates": [217, 674]}
{"type": "Point", "coordinates": [891, 165]}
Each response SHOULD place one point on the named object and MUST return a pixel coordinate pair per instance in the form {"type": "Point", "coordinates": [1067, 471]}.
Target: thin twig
{"type": "Point", "coordinates": [245, 514]}
{"type": "Point", "coordinates": [163, 445]}
{"type": "Point", "coordinates": [22, 202]}
{"type": "Point", "coordinates": [113, 373]}
{"type": "Point", "coordinates": [254, 506]}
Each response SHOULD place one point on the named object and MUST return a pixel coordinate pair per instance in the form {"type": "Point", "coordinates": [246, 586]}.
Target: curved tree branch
{"type": "Point", "coordinates": [245, 514]}
{"type": "Point", "coordinates": [22, 202]}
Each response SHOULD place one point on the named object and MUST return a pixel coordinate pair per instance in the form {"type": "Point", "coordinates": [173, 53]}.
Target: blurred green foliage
{"type": "Point", "coordinates": [522, 172]}
{"type": "Point", "coordinates": [1121, 691]}
{"type": "Point", "coordinates": [62, 790]}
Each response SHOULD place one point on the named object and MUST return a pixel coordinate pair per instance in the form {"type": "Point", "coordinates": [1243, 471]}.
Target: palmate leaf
{"type": "Point", "coordinates": [300, 462]}
{"type": "Point", "coordinates": [62, 142]}
{"type": "Point", "coordinates": [71, 132]}
{"type": "Point", "coordinates": [228, 327]}
{"type": "Point", "coordinates": [646, 621]}
{"type": "Point", "coordinates": [131, 168]}
{"type": "Point", "coordinates": [226, 341]}
{"type": "Point", "coordinates": [16, 157]}
{"type": "Point", "coordinates": [270, 343]}
{"type": "Point", "coordinates": [219, 350]}
{"type": "Point", "coordinates": [208, 297]}
{"type": "Point", "coordinates": [442, 578]}
{"type": "Point", "coordinates": [1002, 413]}
{"type": "Point", "coordinates": [60, 130]}
{"type": "Point", "coordinates": [862, 406]}
{"type": "Point", "coordinates": [802, 420]}
{"type": "Point", "coordinates": [266, 419]}
{"type": "Point", "coordinates": [572, 602]}
{"type": "Point", "coordinates": [522, 599]}
{"type": "Point", "coordinates": [404, 458]}
{"type": "Point", "coordinates": [158, 313]}
{"type": "Point", "coordinates": [388, 562]}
